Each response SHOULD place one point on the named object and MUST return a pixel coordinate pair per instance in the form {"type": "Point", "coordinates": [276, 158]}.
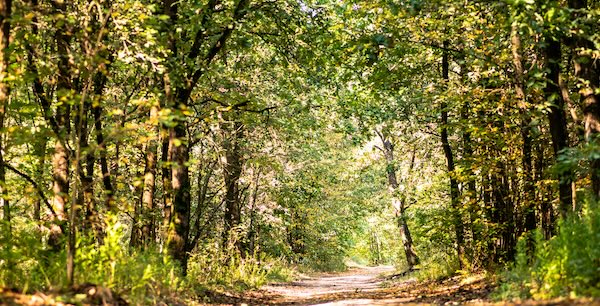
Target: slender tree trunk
{"type": "Point", "coordinates": [137, 238]}
{"type": "Point", "coordinates": [454, 191]}
{"type": "Point", "coordinates": [557, 119]}
{"type": "Point", "coordinates": [57, 122]}
{"type": "Point", "coordinates": [399, 204]}
{"type": "Point", "coordinates": [86, 175]}
{"type": "Point", "coordinates": [503, 215]}
{"type": "Point", "coordinates": [77, 201]}
{"type": "Point", "coordinates": [148, 230]}
{"type": "Point", "coordinates": [37, 205]}
{"type": "Point", "coordinates": [232, 171]}
{"type": "Point", "coordinates": [203, 201]}
{"type": "Point", "coordinates": [528, 197]}
{"type": "Point", "coordinates": [99, 84]}
{"type": "Point", "coordinates": [166, 158]}
{"type": "Point", "coordinates": [547, 217]}
{"type": "Point", "coordinates": [166, 179]}
{"type": "Point", "coordinates": [5, 15]}
{"type": "Point", "coordinates": [251, 228]}
{"type": "Point", "coordinates": [471, 187]}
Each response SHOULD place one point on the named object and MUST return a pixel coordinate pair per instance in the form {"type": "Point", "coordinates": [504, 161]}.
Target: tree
{"type": "Point", "coordinates": [399, 205]}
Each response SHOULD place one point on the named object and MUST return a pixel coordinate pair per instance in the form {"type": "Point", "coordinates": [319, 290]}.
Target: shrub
{"type": "Point", "coordinates": [215, 267]}
{"type": "Point", "coordinates": [566, 265]}
{"type": "Point", "coordinates": [134, 273]}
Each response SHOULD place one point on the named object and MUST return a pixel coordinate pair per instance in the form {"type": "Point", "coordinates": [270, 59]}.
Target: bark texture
{"type": "Point", "coordinates": [454, 191]}
{"type": "Point", "coordinates": [557, 119]}
{"type": "Point", "coordinates": [399, 204]}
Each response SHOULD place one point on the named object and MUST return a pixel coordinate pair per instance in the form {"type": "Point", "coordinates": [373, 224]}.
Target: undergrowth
{"type": "Point", "coordinates": [568, 264]}
{"type": "Point", "coordinates": [139, 276]}
{"type": "Point", "coordinates": [214, 267]}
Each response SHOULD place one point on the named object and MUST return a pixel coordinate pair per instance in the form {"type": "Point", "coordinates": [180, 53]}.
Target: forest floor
{"type": "Point", "coordinates": [370, 286]}
{"type": "Point", "coordinates": [357, 286]}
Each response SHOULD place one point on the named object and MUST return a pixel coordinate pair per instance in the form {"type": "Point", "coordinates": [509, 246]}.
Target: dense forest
{"type": "Point", "coordinates": [163, 149]}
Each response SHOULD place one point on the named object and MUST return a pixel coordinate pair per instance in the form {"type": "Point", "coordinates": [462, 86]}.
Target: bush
{"type": "Point", "coordinates": [566, 265]}
{"type": "Point", "coordinates": [133, 273]}
{"type": "Point", "coordinates": [136, 275]}
{"type": "Point", "coordinates": [215, 267]}
{"type": "Point", "coordinates": [25, 261]}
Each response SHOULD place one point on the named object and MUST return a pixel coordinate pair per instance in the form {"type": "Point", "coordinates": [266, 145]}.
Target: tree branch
{"type": "Point", "coordinates": [35, 185]}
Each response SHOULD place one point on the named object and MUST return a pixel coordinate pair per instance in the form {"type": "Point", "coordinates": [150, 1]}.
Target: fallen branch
{"type": "Point", "coordinates": [402, 274]}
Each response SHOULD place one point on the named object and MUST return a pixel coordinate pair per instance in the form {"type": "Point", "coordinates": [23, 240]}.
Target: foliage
{"type": "Point", "coordinates": [212, 268]}
{"type": "Point", "coordinates": [566, 265]}
{"type": "Point", "coordinates": [139, 276]}
{"type": "Point", "coordinates": [240, 140]}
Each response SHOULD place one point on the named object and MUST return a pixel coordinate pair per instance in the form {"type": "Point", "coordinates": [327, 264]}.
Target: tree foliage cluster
{"type": "Point", "coordinates": [509, 91]}
{"type": "Point", "coordinates": [223, 134]}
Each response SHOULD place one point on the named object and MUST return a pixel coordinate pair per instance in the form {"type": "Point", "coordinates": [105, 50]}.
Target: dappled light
{"type": "Point", "coordinates": [299, 152]}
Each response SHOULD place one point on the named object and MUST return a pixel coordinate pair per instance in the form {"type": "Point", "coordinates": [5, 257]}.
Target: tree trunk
{"type": "Point", "coordinates": [148, 230]}
{"type": "Point", "coordinates": [528, 197]}
{"type": "Point", "coordinates": [232, 171]}
{"type": "Point", "coordinates": [180, 219]}
{"type": "Point", "coordinates": [557, 119]}
{"type": "Point", "coordinates": [60, 158]}
{"type": "Point", "coordinates": [56, 122]}
{"type": "Point", "coordinates": [166, 158]}
{"type": "Point", "coordinates": [587, 69]}
{"type": "Point", "coordinates": [137, 239]}
{"type": "Point", "coordinates": [166, 177]}
{"type": "Point", "coordinates": [41, 152]}
{"type": "Point", "coordinates": [5, 14]}
{"type": "Point", "coordinates": [454, 191]}
{"type": "Point", "coordinates": [471, 188]}
{"type": "Point", "coordinates": [547, 218]}
{"type": "Point", "coordinates": [502, 213]}
{"type": "Point", "coordinates": [399, 204]}
{"type": "Point", "coordinates": [251, 228]}
{"type": "Point", "coordinates": [99, 84]}
{"type": "Point", "coordinates": [87, 176]}
{"type": "Point", "coordinates": [203, 201]}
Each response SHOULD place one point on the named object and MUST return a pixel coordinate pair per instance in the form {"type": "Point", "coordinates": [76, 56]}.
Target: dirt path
{"type": "Point", "coordinates": [364, 286]}
{"type": "Point", "coordinates": [327, 286]}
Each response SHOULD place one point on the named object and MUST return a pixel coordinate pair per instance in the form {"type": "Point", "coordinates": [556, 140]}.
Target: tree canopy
{"type": "Point", "coordinates": [150, 146]}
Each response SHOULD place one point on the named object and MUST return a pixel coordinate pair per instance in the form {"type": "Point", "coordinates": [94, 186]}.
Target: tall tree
{"type": "Point", "coordinates": [399, 202]}
{"type": "Point", "coordinates": [557, 117]}
{"type": "Point", "coordinates": [587, 70]}
{"type": "Point", "coordinates": [457, 222]}
{"type": "Point", "coordinates": [178, 100]}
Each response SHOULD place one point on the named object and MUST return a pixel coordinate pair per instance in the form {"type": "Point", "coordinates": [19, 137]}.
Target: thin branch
{"type": "Point", "coordinates": [35, 185]}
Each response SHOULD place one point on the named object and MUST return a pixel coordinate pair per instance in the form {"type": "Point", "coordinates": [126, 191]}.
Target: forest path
{"type": "Point", "coordinates": [366, 286]}
{"type": "Point", "coordinates": [333, 288]}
